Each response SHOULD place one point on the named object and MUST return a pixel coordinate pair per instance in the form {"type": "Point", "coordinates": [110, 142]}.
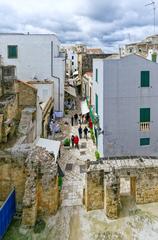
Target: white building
{"type": "Point", "coordinates": [87, 86]}
{"type": "Point", "coordinates": [71, 60]}
{"type": "Point", "coordinates": [36, 56]}
{"type": "Point", "coordinates": [126, 97]}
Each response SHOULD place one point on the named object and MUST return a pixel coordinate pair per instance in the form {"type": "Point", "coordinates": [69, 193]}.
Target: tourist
{"type": "Point", "coordinates": [80, 131]}
{"type": "Point", "coordinates": [85, 130]}
{"type": "Point", "coordinates": [76, 141]}
{"type": "Point", "coordinates": [72, 141]}
{"type": "Point", "coordinates": [72, 121]}
{"type": "Point", "coordinates": [76, 117]}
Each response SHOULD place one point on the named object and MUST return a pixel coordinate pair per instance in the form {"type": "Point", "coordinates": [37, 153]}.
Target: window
{"type": "Point", "coordinates": [145, 78]}
{"type": "Point", "coordinates": [144, 114]}
{"type": "Point", "coordinates": [72, 57]}
{"type": "Point", "coordinates": [96, 103]}
{"type": "Point", "coordinates": [144, 141]}
{"type": "Point", "coordinates": [154, 57]}
{"type": "Point", "coordinates": [12, 51]}
{"type": "Point", "coordinates": [72, 63]}
{"type": "Point", "coordinates": [96, 75]}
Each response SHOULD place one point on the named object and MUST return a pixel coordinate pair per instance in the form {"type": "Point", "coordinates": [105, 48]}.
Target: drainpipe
{"type": "Point", "coordinates": [52, 74]}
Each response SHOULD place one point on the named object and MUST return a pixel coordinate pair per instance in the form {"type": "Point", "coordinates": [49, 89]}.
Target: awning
{"type": "Point", "coordinates": [71, 90]}
{"type": "Point", "coordinates": [92, 114]}
{"type": "Point", "coordinates": [84, 107]}
{"type": "Point", "coordinates": [51, 146]}
{"type": "Point", "coordinates": [75, 73]}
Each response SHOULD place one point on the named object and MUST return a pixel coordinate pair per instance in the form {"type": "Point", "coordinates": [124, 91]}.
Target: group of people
{"type": "Point", "coordinates": [78, 119]}
{"type": "Point", "coordinates": [85, 130]}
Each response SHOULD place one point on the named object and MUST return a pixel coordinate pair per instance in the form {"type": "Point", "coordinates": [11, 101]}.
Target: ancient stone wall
{"type": "Point", "coordinates": [112, 196]}
{"type": "Point", "coordinates": [12, 175]}
{"type": "Point", "coordinates": [102, 189]}
{"type": "Point", "coordinates": [147, 186]}
{"type": "Point", "coordinates": [27, 95]}
{"type": "Point", "coordinates": [34, 174]}
{"type": "Point", "coordinates": [94, 190]}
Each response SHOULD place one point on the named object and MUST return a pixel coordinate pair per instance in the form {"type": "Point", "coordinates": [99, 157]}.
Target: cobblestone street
{"type": "Point", "coordinates": [73, 165]}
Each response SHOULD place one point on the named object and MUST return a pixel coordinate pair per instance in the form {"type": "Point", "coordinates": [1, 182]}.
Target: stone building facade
{"type": "Point", "coordinates": [8, 102]}
{"type": "Point", "coordinates": [102, 189]}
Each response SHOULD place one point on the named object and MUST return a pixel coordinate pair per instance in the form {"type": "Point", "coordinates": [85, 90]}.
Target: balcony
{"type": "Point", "coordinates": [144, 126]}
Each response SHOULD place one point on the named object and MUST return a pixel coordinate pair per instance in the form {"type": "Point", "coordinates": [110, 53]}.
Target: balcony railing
{"type": "Point", "coordinates": [144, 126]}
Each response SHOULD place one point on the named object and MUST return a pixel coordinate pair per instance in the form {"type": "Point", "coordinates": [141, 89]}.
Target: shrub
{"type": "Point", "coordinates": [97, 155]}
{"type": "Point", "coordinates": [67, 142]}
{"type": "Point", "coordinates": [92, 135]}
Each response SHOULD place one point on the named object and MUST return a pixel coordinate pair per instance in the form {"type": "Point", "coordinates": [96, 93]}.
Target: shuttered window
{"type": "Point", "coordinates": [144, 114]}
{"type": "Point", "coordinates": [154, 57]}
{"type": "Point", "coordinates": [145, 78]}
{"type": "Point", "coordinates": [12, 51]}
{"type": "Point", "coordinates": [96, 75]}
{"type": "Point", "coordinates": [96, 103]}
{"type": "Point", "coordinates": [144, 141]}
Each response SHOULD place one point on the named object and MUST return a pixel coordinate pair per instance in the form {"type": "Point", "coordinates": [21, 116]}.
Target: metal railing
{"type": "Point", "coordinates": [144, 126]}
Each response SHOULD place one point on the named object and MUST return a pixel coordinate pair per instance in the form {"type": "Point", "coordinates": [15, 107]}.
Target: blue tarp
{"type": "Point", "coordinates": [7, 211]}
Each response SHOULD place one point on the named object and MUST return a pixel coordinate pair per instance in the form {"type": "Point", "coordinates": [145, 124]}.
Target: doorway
{"type": "Point", "coordinates": [127, 195]}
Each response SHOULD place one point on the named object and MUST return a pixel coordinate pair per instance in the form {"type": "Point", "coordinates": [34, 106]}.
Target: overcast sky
{"type": "Point", "coordinates": [99, 23]}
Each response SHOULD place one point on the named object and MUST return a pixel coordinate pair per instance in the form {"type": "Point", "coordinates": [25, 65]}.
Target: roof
{"type": "Point", "coordinates": [94, 50]}
{"type": "Point", "coordinates": [70, 90]}
{"type": "Point", "coordinates": [26, 84]}
{"type": "Point", "coordinates": [88, 74]}
{"type": "Point", "coordinates": [51, 146]}
{"type": "Point", "coordinates": [84, 107]}
{"type": "Point", "coordinates": [125, 162]}
{"type": "Point", "coordinates": [41, 81]}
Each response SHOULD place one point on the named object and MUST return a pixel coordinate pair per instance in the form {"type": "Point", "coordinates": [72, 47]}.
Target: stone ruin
{"type": "Point", "coordinates": [34, 174]}
{"type": "Point", "coordinates": [102, 188]}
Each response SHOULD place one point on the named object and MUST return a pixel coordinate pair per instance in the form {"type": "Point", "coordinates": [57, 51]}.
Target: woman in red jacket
{"type": "Point", "coordinates": [76, 141]}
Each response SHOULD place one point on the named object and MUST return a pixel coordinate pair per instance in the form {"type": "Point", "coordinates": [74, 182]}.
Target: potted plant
{"type": "Point", "coordinates": [67, 142]}
{"type": "Point", "coordinates": [97, 155]}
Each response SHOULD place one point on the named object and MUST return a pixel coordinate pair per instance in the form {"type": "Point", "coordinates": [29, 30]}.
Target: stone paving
{"type": "Point", "coordinates": [74, 180]}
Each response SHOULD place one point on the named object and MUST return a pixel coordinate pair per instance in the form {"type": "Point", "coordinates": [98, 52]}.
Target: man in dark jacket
{"type": "Point", "coordinates": [85, 132]}
{"type": "Point", "coordinates": [80, 131]}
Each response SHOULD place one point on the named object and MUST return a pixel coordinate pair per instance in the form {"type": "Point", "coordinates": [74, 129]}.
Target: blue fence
{"type": "Point", "coordinates": [7, 212]}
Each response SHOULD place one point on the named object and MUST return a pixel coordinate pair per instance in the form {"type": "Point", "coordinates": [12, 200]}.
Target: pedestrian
{"type": "Point", "coordinates": [85, 132]}
{"type": "Point", "coordinates": [76, 117]}
{"type": "Point", "coordinates": [90, 124]}
{"type": "Point", "coordinates": [76, 141]}
{"type": "Point", "coordinates": [80, 131]}
{"type": "Point", "coordinates": [72, 141]}
{"type": "Point", "coordinates": [72, 121]}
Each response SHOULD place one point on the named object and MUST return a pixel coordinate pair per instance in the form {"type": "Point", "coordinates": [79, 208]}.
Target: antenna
{"type": "Point", "coordinates": [154, 8]}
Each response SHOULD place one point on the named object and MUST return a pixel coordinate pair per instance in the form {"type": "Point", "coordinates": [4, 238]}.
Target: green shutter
{"type": "Point", "coordinates": [145, 78]}
{"type": "Point", "coordinates": [144, 114]}
{"type": "Point", "coordinates": [154, 57]}
{"type": "Point", "coordinates": [96, 75]}
{"type": "Point", "coordinates": [12, 51]}
{"type": "Point", "coordinates": [96, 103]}
{"type": "Point", "coordinates": [144, 141]}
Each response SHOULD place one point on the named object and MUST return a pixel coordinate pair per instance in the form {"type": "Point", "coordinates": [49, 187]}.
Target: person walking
{"type": "Point", "coordinates": [80, 132]}
{"type": "Point", "coordinates": [76, 117]}
{"type": "Point", "coordinates": [85, 130]}
{"type": "Point", "coordinates": [72, 141]}
{"type": "Point", "coordinates": [76, 141]}
{"type": "Point", "coordinates": [72, 121]}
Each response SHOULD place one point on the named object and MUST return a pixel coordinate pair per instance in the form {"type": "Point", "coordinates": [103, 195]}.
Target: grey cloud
{"type": "Point", "coordinates": [103, 22]}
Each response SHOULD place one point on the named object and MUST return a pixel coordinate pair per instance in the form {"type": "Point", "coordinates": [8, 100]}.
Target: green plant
{"type": "Point", "coordinates": [67, 142]}
{"type": "Point", "coordinates": [66, 111]}
{"type": "Point", "coordinates": [92, 135]}
{"type": "Point", "coordinates": [39, 225]}
{"type": "Point", "coordinates": [97, 155]}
